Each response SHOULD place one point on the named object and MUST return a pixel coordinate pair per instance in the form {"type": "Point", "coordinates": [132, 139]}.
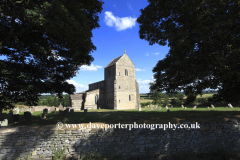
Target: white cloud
{"type": "Point", "coordinates": [156, 53]}
{"type": "Point", "coordinates": [89, 68]}
{"type": "Point", "coordinates": [137, 69]}
{"type": "Point", "coordinates": [129, 6]}
{"type": "Point", "coordinates": [79, 87]}
{"type": "Point", "coordinates": [119, 23]}
{"type": "Point", "coordinates": [144, 81]}
{"type": "Point", "coordinates": [147, 54]}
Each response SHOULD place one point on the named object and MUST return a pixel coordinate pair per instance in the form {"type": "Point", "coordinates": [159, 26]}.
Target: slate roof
{"type": "Point", "coordinates": [113, 61]}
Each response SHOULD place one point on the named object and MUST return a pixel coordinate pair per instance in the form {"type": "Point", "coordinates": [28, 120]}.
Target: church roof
{"type": "Point", "coordinates": [113, 61]}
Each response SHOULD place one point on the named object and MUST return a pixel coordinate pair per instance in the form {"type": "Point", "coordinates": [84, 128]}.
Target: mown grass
{"type": "Point", "coordinates": [129, 116]}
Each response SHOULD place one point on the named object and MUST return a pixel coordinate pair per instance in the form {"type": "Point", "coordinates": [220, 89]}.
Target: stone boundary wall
{"type": "Point", "coordinates": [37, 141]}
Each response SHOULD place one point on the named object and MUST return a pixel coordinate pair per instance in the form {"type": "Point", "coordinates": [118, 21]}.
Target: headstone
{"type": "Point", "coordinates": [194, 107]}
{"type": "Point", "coordinates": [168, 110]}
{"type": "Point", "coordinates": [140, 108]}
{"type": "Point", "coordinates": [166, 107]}
{"type": "Point", "coordinates": [16, 118]}
{"type": "Point", "coordinates": [230, 106]}
{"type": "Point", "coordinates": [85, 110]}
{"type": "Point", "coordinates": [160, 108]}
{"type": "Point", "coordinates": [155, 107]}
{"type": "Point", "coordinates": [60, 107]}
{"type": "Point", "coordinates": [151, 107]}
{"type": "Point", "coordinates": [10, 115]}
{"type": "Point", "coordinates": [171, 106]}
{"type": "Point", "coordinates": [148, 106]}
{"type": "Point", "coordinates": [185, 107]}
{"type": "Point", "coordinates": [45, 111]}
{"type": "Point", "coordinates": [4, 122]}
{"type": "Point", "coordinates": [52, 109]}
{"type": "Point", "coordinates": [67, 109]}
{"type": "Point", "coordinates": [71, 110]}
{"type": "Point", "coordinates": [182, 106]}
{"type": "Point", "coordinates": [207, 107]}
{"type": "Point", "coordinates": [27, 116]}
{"type": "Point", "coordinates": [212, 106]}
{"type": "Point", "coordinates": [57, 109]}
{"type": "Point", "coordinates": [16, 110]}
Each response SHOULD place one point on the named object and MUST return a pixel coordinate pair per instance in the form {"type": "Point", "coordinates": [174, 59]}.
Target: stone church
{"type": "Point", "coordinates": [119, 89]}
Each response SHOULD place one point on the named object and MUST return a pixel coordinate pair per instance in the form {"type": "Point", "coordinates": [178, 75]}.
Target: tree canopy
{"type": "Point", "coordinates": [204, 41]}
{"type": "Point", "coordinates": [43, 44]}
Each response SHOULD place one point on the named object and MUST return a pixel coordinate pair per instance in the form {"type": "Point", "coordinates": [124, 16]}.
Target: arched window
{"type": "Point", "coordinates": [126, 72]}
{"type": "Point", "coordinates": [129, 97]}
{"type": "Point", "coordinates": [119, 87]}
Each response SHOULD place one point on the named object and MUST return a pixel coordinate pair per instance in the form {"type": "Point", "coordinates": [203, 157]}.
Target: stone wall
{"type": "Point", "coordinates": [18, 142]}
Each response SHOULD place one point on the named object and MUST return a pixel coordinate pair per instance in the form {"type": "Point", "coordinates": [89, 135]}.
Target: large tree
{"type": "Point", "coordinates": [43, 43]}
{"type": "Point", "coordinates": [204, 41]}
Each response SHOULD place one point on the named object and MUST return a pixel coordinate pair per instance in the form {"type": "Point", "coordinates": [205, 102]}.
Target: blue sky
{"type": "Point", "coordinates": [119, 31]}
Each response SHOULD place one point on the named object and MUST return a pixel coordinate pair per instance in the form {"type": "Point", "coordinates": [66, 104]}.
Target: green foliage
{"type": "Point", "coordinates": [203, 37]}
{"type": "Point", "coordinates": [160, 99]}
{"type": "Point", "coordinates": [44, 42]}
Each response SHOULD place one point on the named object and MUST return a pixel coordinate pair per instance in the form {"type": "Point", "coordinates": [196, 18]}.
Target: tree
{"type": "Point", "coordinates": [179, 97]}
{"type": "Point", "coordinates": [44, 42]}
{"type": "Point", "coordinates": [204, 38]}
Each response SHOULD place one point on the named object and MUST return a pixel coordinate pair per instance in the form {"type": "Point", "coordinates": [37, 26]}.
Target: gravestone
{"type": "Point", "coordinates": [207, 107]}
{"type": "Point", "coordinates": [4, 122]}
{"type": "Point", "coordinates": [171, 106]}
{"type": "Point", "coordinates": [52, 109]}
{"type": "Point", "coordinates": [32, 110]}
{"type": "Point", "coordinates": [148, 106]}
{"type": "Point", "coordinates": [185, 107]}
{"type": "Point", "coordinates": [194, 107]}
{"type": "Point", "coordinates": [160, 107]}
{"type": "Point", "coordinates": [230, 106]}
{"type": "Point", "coordinates": [27, 116]}
{"type": "Point", "coordinates": [67, 109]}
{"type": "Point", "coordinates": [151, 106]}
{"type": "Point", "coordinates": [71, 110]}
{"type": "Point", "coordinates": [155, 107]}
{"type": "Point", "coordinates": [57, 109]}
{"type": "Point", "coordinates": [168, 110]}
{"type": "Point", "coordinates": [212, 106]}
{"type": "Point", "coordinates": [85, 110]}
{"type": "Point", "coordinates": [140, 108]}
{"type": "Point", "coordinates": [60, 107]}
{"type": "Point", "coordinates": [16, 110]}
{"type": "Point", "coordinates": [45, 111]}
{"type": "Point", "coordinates": [166, 107]}
{"type": "Point", "coordinates": [182, 106]}
{"type": "Point", "coordinates": [16, 118]}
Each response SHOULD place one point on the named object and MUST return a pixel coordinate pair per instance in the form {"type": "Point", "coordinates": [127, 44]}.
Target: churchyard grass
{"type": "Point", "coordinates": [130, 116]}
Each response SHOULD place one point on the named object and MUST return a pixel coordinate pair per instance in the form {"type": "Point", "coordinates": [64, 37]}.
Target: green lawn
{"type": "Point", "coordinates": [130, 116]}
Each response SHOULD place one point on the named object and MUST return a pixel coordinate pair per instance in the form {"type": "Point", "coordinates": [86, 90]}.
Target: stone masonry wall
{"type": "Point", "coordinates": [19, 142]}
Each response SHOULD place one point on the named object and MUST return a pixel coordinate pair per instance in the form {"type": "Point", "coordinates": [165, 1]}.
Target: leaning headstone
{"type": "Point", "coordinates": [27, 116]}
{"type": "Point", "coordinates": [182, 106]}
{"type": "Point", "coordinates": [230, 106]}
{"type": "Point", "coordinates": [45, 111]}
{"type": "Point", "coordinates": [52, 109]}
{"type": "Point", "coordinates": [60, 107]}
{"type": "Point", "coordinates": [166, 107]}
{"type": "Point", "coordinates": [168, 110]}
{"type": "Point", "coordinates": [212, 106]}
{"type": "Point", "coordinates": [194, 107]}
{"type": "Point", "coordinates": [71, 110]}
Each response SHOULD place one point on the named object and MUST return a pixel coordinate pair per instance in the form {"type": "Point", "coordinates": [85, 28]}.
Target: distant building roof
{"type": "Point", "coordinates": [113, 61]}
